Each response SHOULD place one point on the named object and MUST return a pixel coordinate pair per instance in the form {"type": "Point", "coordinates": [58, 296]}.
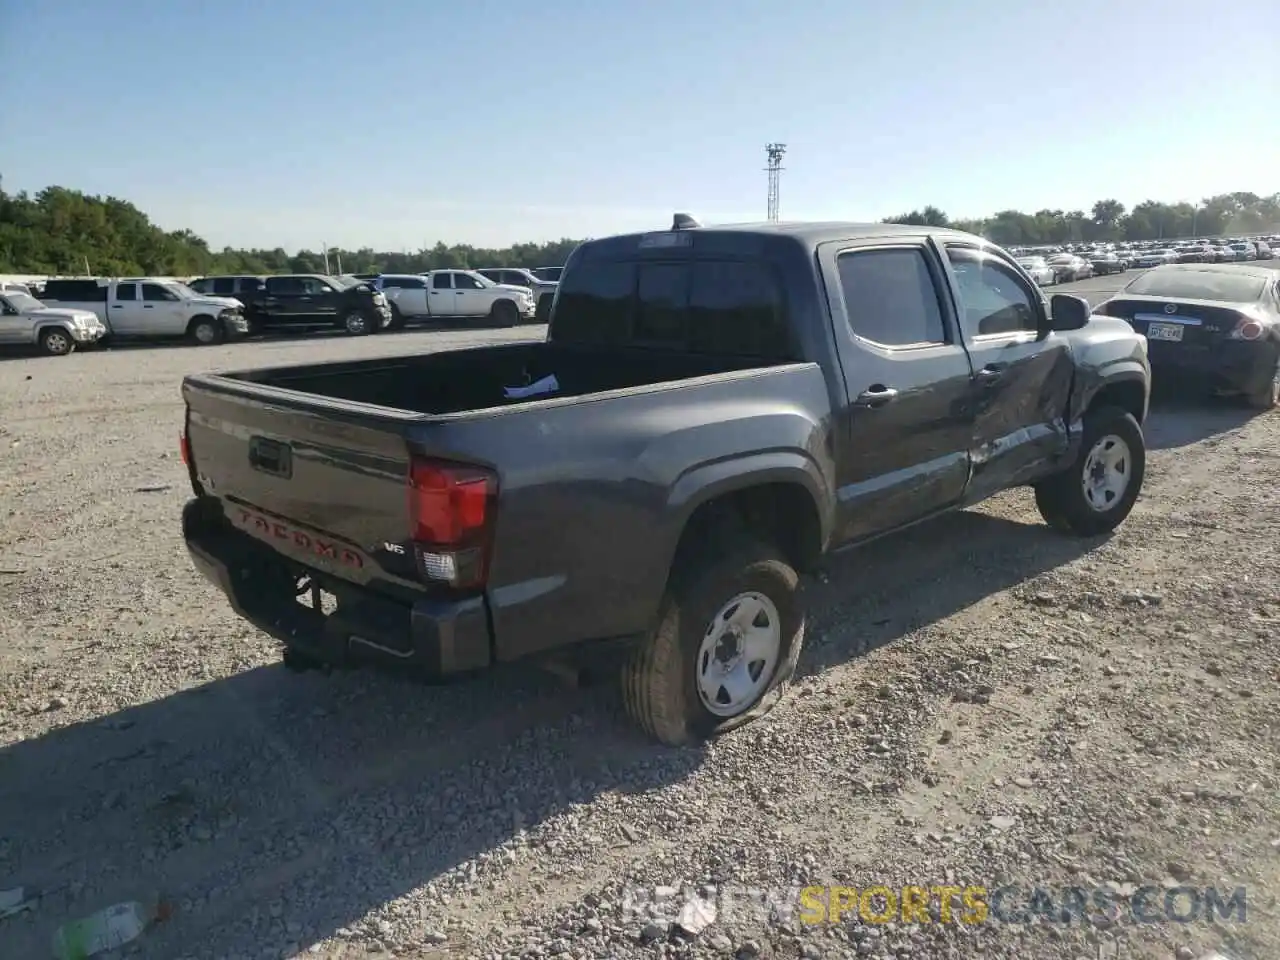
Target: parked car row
{"type": "Point", "coordinates": [71, 313]}
{"type": "Point", "coordinates": [504, 296]}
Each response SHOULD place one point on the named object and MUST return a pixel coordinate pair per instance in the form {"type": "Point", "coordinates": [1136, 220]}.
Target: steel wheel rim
{"type": "Point", "coordinates": [205, 333]}
{"type": "Point", "coordinates": [1107, 472]}
{"type": "Point", "coordinates": [57, 342]}
{"type": "Point", "coordinates": [740, 649]}
{"type": "Point", "coordinates": [356, 323]}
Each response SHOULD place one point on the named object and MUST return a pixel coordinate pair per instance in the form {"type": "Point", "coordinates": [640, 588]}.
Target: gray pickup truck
{"type": "Point", "coordinates": [712, 409]}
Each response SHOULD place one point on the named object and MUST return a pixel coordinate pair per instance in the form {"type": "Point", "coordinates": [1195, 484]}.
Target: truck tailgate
{"type": "Point", "coordinates": [322, 482]}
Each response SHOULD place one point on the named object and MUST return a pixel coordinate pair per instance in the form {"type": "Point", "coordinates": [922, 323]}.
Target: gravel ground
{"type": "Point", "coordinates": [982, 703]}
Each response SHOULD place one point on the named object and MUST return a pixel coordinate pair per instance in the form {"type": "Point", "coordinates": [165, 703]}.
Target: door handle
{"type": "Point", "coordinates": [876, 396]}
{"type": "Point", "coordinates": [991, 373]}
{"type": "Point", "coordinates": [148, 306]}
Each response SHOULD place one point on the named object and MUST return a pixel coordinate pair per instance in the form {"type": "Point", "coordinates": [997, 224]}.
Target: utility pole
{"type": "Point", "coordinates": [773, 152]}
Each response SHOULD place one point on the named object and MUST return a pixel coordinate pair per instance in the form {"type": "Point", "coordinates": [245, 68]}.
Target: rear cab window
{"type": "Point", "coordinates": [78, 291]}
{"type": "Point", "coordinates": [729, 307]}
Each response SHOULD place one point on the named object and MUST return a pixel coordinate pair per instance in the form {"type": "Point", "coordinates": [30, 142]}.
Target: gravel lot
{"type": "Point", "coordinates": [982, 702]}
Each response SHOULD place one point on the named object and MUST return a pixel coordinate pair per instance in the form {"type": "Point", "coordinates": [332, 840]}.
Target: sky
{"type": "Point", "coordinates": [399, 123]}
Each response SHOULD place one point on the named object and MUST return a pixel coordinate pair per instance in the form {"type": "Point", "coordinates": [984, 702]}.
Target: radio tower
{"type": "Point", "coordinates": [774, 152]}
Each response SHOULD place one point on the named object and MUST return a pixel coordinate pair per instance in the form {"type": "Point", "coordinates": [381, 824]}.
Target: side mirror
{"type": "Point", "coordinates": [1068, 313]}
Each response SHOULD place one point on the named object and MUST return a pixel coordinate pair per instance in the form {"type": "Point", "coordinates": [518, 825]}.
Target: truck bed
{"type": "Point", "coordinates": [331, 493]}
{"type": "Point", "coordinates": [458, 381]}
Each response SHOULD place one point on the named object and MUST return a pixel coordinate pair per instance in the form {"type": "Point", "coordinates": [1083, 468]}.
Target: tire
{"type": "Point", "coordinates": [1268, 397]}
{"type": "Point", "coordinates": [356, 324]}
{"type": "Point", "coordinates": [1113, 439]}
{"type": "Point", "coordinates": [661, 680]}
{"type": "Point", "coordinates": [56, 342]}
{"type": "Point", "coordinates": [206, 332]}
{"type": "Point", "coordinates": [504, 313]}
{"type": "Point", "coordinates": [397, 319]}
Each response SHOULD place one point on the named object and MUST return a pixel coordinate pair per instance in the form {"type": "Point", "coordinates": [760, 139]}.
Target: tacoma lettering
{"type": "Point", "coordinates": [325, 549]}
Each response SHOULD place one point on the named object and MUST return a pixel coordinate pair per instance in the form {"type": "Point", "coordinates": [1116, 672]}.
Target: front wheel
{"type": "Point", "coordinates": [1094, 495]}
{"type": "Point", "coordinates": [505, 314]}
{"type": "Point", "coordinates": [725, 648]}
{"type": "Point", "coordinates": [56, 342]}
{"type": "Point", "coordinates": [397, 319]}
{"type": "Point", "coordinates": [206, 331]}
{"type": "Point", "coordinates": [356, 324]}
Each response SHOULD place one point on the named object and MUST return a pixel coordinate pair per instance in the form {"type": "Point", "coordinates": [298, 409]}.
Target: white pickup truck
{"type": "Point", "coordinates": [152, 307]}
{"type": "Point", "coordinates": [57, 331]}
{"type": "Point", "coordinates": [453, 294]}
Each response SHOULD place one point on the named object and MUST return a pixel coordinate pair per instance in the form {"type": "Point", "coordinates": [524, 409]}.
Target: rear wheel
{"type": "Point", "coordinates": [504, 313]}
{"type": "Point", "coordinates": [56, 342]}
{"type": "Point", "coordinates": [1094, 495]}
{"type": "Point", "coordinates": [206, 331]}
{"type": "Point", "coordinates": [726, 646]}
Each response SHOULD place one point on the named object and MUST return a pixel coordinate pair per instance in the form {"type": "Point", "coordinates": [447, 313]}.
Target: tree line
{"type": "Point", "coordinates": [64, 231]}
{"type": "Point", "coordinates": [1227, 214]}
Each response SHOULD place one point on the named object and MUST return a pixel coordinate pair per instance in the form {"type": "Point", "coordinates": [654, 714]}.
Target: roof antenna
{"type": "Point", "coordinates": [683, 221]}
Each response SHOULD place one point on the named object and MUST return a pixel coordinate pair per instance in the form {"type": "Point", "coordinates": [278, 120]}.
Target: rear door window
{"type": "Point", "coordinates": [284, 286]}
{"type": "Point", "coordinates": [890, 297]}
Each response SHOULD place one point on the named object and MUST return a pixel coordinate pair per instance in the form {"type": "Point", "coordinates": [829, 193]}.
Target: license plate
{"type": "Point", "coordinates": [1164, 331]}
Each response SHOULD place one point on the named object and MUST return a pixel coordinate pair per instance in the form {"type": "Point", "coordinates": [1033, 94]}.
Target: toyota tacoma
{"type": "Point", "coordinates": [712, 409]}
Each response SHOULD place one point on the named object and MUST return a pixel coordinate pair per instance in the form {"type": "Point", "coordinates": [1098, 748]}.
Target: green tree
{"type": "Point", "coordinates": [63, 231]}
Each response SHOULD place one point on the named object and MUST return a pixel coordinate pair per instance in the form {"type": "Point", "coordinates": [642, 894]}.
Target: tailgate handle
{"type": "Point", "coordinates": [271, 456]}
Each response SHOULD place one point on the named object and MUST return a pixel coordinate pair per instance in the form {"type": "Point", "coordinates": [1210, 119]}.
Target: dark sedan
{"type": "Point", "coordinates": [1220, 324]}
{"type": "Point", "coordinates": [1106, 263]}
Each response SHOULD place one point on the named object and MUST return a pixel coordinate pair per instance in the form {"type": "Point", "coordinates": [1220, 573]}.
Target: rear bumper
{"type": "Point", "coordinates": [1235, 365]}
{"type": "Point", "coordinates": [439, 636]}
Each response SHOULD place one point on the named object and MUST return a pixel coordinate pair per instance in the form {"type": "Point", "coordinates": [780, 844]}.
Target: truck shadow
{"type": "Point", "coordinates": [872, 596]}
{"type": "Point", "coordinates": [1179, 420]}
{"type": "Point", "coordinates": [278, 809]}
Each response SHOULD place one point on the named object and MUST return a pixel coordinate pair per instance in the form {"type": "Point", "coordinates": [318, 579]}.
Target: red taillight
{"type": "Point", "coordinates": [184, 448]}
{"type": "Point", "coordinates": [451, 512]}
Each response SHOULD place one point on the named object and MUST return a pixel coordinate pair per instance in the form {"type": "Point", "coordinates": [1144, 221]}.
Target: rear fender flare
{"type": "Point", "coordinates": [708, 481]}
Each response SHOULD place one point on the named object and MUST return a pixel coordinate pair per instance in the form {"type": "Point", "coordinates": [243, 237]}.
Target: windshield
{"type": "Point", "coordinates": [1031, 262]}
{"type": "Point", "coordinates": [1061, 258]}
{"type": "Point", "coordinates": [182, 290]}
{"type": "Point", "coordinates": [483, 280]}
{"type": "Point", "coordinates": [345, 281]}
{"type": "Point", "coordinates": [23, 302]}
{"type": "Point", "coordinates": [1199, 285]}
